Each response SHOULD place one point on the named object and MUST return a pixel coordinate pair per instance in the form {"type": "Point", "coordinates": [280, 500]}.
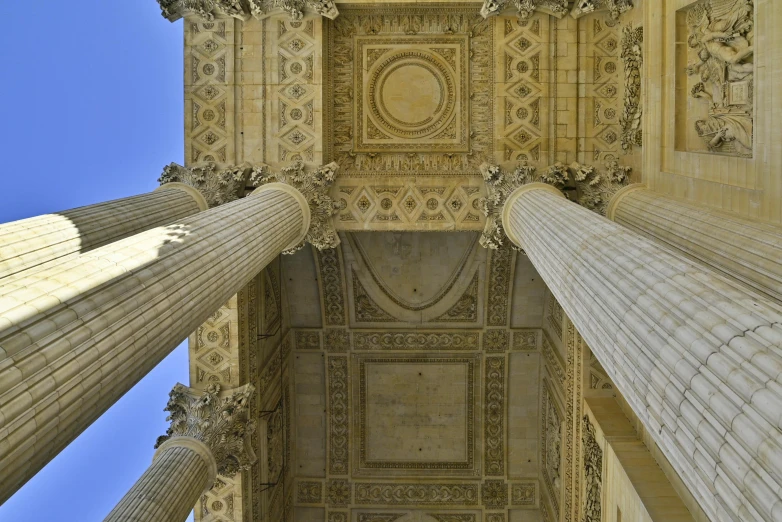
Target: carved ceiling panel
{"type": "Point", "coordinates": [376, 125]}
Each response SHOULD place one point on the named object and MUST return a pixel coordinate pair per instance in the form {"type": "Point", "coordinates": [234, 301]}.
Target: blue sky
{"type": "Point", "coordinates": [92, 111]}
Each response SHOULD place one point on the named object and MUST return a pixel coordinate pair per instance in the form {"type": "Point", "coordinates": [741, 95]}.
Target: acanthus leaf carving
{"type": "Point", "coordinates": [218, 185]}
{"type": "Point", "coordinates": [526, 8]}
{"type": "Point", "coordinates": [499, 187]}
{"type": "Point", "coordinates": [314, 186]}
{"type": "Point", "coordinates": [615, 7]}
{"type": "Point", "coordinates": [220, 420]}
{"type": "Point", "coordinates": [209, 9]}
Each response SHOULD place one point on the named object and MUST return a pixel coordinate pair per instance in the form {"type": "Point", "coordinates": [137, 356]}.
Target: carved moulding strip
{"type": "Point", "coordinates": [338, 416]}
{"type": "Point", "coordinates": [494, 415]}
{"type": "Point", "coordinates": [399, 494]}
{"type": "Point", "coordinates": [332, 286]}
{"type": "Point", "coordinates": [499, 286]}
{"type": "Point", "coordinates": [403, 341]}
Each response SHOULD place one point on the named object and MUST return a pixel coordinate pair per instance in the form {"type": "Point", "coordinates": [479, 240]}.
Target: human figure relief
{"type": "Point", "coordinates": [721, 34]}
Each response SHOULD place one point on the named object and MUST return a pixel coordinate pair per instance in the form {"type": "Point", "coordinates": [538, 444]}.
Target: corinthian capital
{"type": "Point", "coordinates": [499, 186]}
{"type": "Point", "coordinates": [218, 185]}
{"type": "Point", "coordinates": [209, 9]}
{"type": "Point", "coordinates": [616, 7]}
{"type": "Point", "coordinates": [314, 186]}
{"type": "Point", "coordinates": [220, 420]}
{"type": "Point", "coordinates": [526, 8]}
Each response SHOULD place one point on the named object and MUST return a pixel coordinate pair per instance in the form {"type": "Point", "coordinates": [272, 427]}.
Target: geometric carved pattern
{"type": "Point", "coordinates": [209, 71]}
{"type": "Point", "coordinates": [409, 204]}
{"type": "Point", "coordinates": [522, 115]}
{"type": "Point", "coordinates": [294, 104]}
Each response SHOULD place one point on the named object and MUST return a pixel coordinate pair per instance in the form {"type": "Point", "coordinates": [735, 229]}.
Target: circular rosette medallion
{"type": "Point", "coordinates": [411, 94]}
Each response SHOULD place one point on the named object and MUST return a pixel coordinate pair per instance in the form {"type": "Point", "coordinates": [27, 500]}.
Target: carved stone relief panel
{"type": "Point", "coordinates": [715, 60]}
{"type": "Point", "coordinates": [209, 93]}
{"type": "Point", "coordinates": [416, 415]}
{"type": "Point", "coordinates": [522, 104]}
{"type": "Point", "coordinates": [376, 127]}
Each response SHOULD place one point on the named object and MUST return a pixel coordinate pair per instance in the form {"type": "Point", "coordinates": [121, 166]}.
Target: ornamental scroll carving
{"type": "Point", "coordinates": [218, 185]}
{"type": "Point", "coordinates": [593, 473]}
{"type": "Point", "coordinates": [417, 494]}
{"type": "Point", "coordinates": [526, 8]}
{"type": "Point", "coordinates": [721, 42]}
{"type": "Point", "coordinates": [314, 186]}
{"type": "Point", "coordinates": [173, 10]}
{"type": "Point", "coordinates": [219, 420]}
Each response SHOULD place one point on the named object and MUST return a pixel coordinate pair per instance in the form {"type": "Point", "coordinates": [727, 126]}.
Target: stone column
{"type": "Point", "coordinates": [696, 355]}
{"type": "Point", "coordinates": [209, 433]}
{"type": "Point", "coordinates": [748, 251]}
{"type": "Point", "coordinates": [75, 337]}
{"type": "Point", "coordinates": [32, 243]}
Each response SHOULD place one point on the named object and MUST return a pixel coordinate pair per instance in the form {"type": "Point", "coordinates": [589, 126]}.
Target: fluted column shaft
{"type": "Point", "coordinates": [31, 244]}
{"type": "Point", "coordinates": [169, 488]}
{"type": "Point", "coordinates": [697, 356]}
{"type": "Point", "coordinates": [748, 251]}
{"type": "Point", "coordinates": [76, 336]}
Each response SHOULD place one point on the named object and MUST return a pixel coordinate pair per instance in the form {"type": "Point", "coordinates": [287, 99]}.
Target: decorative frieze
{"type": "Point", "coordinates": [499, 285]}
{"type": "Point", "coordinates": [523, 493]}
{"type": "Point", "coordinates": [332, 286]}
{"type": "Point", "coordinates": [338, 416]}
{"type": "Point", "coordinates": [551, 446]}
{"type": "Point", "coordinates": [399, 494]}
{"type": "Point", "coordinates": [415, 341]}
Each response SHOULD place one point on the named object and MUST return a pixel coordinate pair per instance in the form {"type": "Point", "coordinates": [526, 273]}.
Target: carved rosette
{"type": "Point", "coordinates": [615, 7]}
{"type": "Point", "coordinates": [314, 186]}
{"type": "Point", "coordinates": [209, 9]}
{"type": "Point", "coordinates": [218, 185]}
{"type": "Point", "coordinates": [220, 420]}
{"type": "Point", "coordinates": [499, 187]}
{"type": "Point", "coordinates": [526, 8]}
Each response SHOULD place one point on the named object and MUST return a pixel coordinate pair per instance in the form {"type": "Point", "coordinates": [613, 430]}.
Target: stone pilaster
{"type": "Point", "coordinates": [742, 249]}
{"type": "Point", "coordinates": [78, 335]}
{"type": "Point", "coordinates": [695, 354]}
{"type": "Point", "coordinates": [209, 434]}
{"type": "Point", "coordinates": [35, 243]}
